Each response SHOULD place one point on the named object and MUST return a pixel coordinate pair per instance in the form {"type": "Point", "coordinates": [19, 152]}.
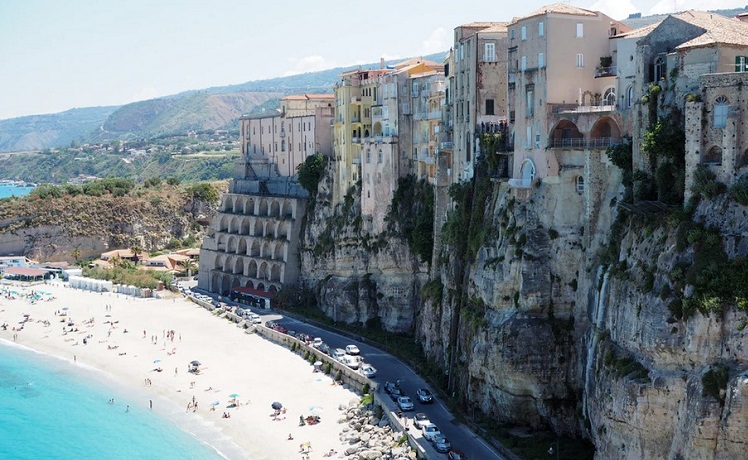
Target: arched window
{"type": "Point", "coordinates": [580, 184]}
{"type": "Point", "coordinates": [528, 172]}
{"type": "Point", "coordinates": [609, 98]}
{"type": "Point", "coordinates": [720, 111]}
{"type": "Point", "coordinates": [713, 156]}
{"type": "Point", "coordinates": [283, 146]}
{"type": "Point", "coordinates": [379, 156]}
{"type": "Point", "coordinates": [630, 97]}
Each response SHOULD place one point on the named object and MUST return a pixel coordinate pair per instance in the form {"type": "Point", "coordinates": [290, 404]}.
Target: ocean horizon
{"type": "Point", "coordinates": [53, 409]}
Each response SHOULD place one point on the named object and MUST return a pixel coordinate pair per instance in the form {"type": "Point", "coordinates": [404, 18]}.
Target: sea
{"type": "Point", "coordinates": [8, 190]}
{"type": "Point", "coordinates": [53, 409]}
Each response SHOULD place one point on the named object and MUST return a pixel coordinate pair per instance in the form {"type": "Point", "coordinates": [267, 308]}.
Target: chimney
{"type": "Point", "coordinates": [381, 63]}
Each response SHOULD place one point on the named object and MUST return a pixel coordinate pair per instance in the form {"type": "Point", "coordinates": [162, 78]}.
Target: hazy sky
{"type": "Point", "coordinates": [60, 54]}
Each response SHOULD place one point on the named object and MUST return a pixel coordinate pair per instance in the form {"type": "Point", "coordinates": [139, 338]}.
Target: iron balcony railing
{"type": "Point", "coordinates": [583, 143]}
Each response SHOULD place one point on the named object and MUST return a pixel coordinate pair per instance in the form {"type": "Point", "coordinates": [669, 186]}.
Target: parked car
{"type": "Point", "coordinates": [456, 455]}
{"type": "Point", "coordinates": [317, 342]}
{"type": "Point", "coordinates": [441, 443]}
{"type": "Point", "coordinates": [338, 353]}
{"type": "Point", "coordinates": [271, 324]}
{"type": "Point", "coordinates": [424, 395]}
{"type": "Point", "coordinates": [369, 371]}
{"type": "Point", "coordinates": [350, 361]}
{"type": "Point", "coordinates": [324, 348]}
{"type": "Point", "coordinates": [405, 403]}
{"type": "Point", "coordinates": [430, 431]}
{"type": "Point", "coordinates": [420, 420]}
{"type": "Point", "coordinates": [255, 318]}
{"type": "Point", "coordinates": [352, 350]}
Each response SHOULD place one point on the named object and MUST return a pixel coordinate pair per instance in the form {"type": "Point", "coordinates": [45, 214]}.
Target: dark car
{"type": "Point", "coordinates": [388, 386]}
{"type": "Point", "coordinates": [396, 393]}
{"type": "Point", "coordinates": [271, 324]}
{"type": "Point", "coordinates": [456, 455]}
{"type": "Point", "coordinates": [424, 395]}
{"type": "Point", "coordinates": [324, 348]}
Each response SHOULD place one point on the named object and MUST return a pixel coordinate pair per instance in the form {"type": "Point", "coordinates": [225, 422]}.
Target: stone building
{"type": "Point", "coordinates": [478, 89]}
{"type": "Point", "coordinates": [716, 128]}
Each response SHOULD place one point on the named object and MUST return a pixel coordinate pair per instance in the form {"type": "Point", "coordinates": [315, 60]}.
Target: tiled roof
{"type": "Point", "coordinates": [302, 97]}
{"type": "Point", "coordinates": [640, 32]}
{"type": "Point", "coordinates": [558, 8]}
{"type": "Point", "coordinates": [483, 24]}
{"type": "Point", "coordinates": [718, 29]}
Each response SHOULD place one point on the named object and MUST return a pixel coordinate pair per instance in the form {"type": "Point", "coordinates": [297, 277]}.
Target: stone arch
{"type": "Point", "coordinates": [225, 287]}
{"type": "Point", "coordinates": [272, 288]}
{"type": "Point", "coordinates": [254, 249]}
{"type": "Point", "coordinates": [218, 263]}
{"type": "Point", "coordinates": [275, 209]}
{"type": "Point", "coordinates": [235, 283]}
{"type": "Point", "coordinates": [244, 226]}
{"type": "Point", "coordinates": [284, 230]}
{"type": "Point", "coordinates": [609, 96]}
{"type": "Point", "coordinates": [713, 156]}
{"type": "Point", "coordinates": [565, 134]}
{"type": "Point", "coordinates": [260, 286]}
{"type": "Point", "coordinates": [287, 208]}
{"type": "Point", "coordinates": [221, 242]}
{"type": "Point", "coordinates": [275, 272]}
{"type": "Point", "coordinates": [238, 266]}
{"type": "Point", "coordinates": [266, 252]}
{"type": "Point", "coordinates": [588, 98]}
{"type": "Point", "coordinates": [262, 271]}
{"type": "Point", "coordinates": [227, 204]}
{"type": "Point", "coordinates": [252, 269]}
{"type": "Point", "coordinates": [223, 225]}
{"type": "Point", "coordinates": [604, 131]}
{"type": "Point", "coordinates": [262, 209]}
{"type": "Point", "coordinates": [228, 263]}
{"type": "Point", "coordinates": [233, 225]}
{"type": "Point", "coordinates": [249, 206]}
{"type": "Point", "coordinates": [249, 284]}
{"type": "Point", "coordinates": [241, 246]}
{"type": "Point", "coordinates": [231, 245]}
{"type": "Point", "coordinates": [238, 205]}
{"type": "Point", "coordinates": [377, 128]}
{"type": "Point", "coordinates": [660, 68]}
{"type": "Point", "coordinates": [215, 282]}
{"type": "Point", "coordinates": [630, 96]}
{"type": "Point", "coordinates": [257, 227]}
{"type": "Point", "coordinates": [527, 170]}
{"type": "Point", "coordinates": [278, 251]}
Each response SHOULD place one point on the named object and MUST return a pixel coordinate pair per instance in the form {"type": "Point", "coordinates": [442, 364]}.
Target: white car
{"type": "Point", "coordinates": [255, 318]}
{"type": "Point", "coordinates": [317, 342]}
{"type": "Point", "coordinates": [430, 431]}
{"type": "Point", "coordinates": [420, 420]}
{"type": "Point", "coordinates": [405, 403]}
{"type": "Point", "coordinates": [352, 350]}
{"type": "Point", "coordinates": [369, 371]}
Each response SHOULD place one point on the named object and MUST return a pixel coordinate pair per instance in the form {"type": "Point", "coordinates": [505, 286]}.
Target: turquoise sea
{"type": "Point", "coordinates": [14, 190]}
{"type": "Point", "coordinates": [51, 410]}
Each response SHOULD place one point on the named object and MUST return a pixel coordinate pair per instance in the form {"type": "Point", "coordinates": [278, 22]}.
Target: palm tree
{"type": "Point", "coordinates": [76, 253]}
{"type": "Point", "coordinates": [136, 250]}
{"type": "Point", "coordinates": [190, 265]}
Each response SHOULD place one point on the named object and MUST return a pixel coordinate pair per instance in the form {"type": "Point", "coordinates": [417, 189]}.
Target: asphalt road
{"type": "Point", "coordinates": [391, 369]}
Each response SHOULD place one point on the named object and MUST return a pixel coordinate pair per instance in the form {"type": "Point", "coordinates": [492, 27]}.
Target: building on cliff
{"type": "Point", "coordinates": [478, 90]}
{"type": "Point", "coordinates": [253, 240]}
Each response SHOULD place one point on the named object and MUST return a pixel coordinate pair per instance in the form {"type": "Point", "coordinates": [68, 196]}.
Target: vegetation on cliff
{"type": "Point", "coordinates": [411, 215]}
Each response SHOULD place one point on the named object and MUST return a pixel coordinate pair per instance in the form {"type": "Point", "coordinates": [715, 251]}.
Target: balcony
{"type": "Point", "coordinates": [610, 71]}
{"type": "Point", "coordinates": [520, 183]}
{"type": "Point", "coordinates": [356, 140]}
{"type": "Point", "coordinates": [406, 109]}
{"type": "Point", "coordinates": [355, 99]}
{"type": "Point", "coordinates": [593, 143]}
{"type": "Point", "coordinates": [445, 145]}
{"type": "Point", "coordinates": [434, 115]}
{"type": "Point", "coordinates": [425, 158]}
{"type": "Point", "coordinates": [574, 108]}
{"type": "Point", "coordinates": [376, 113]}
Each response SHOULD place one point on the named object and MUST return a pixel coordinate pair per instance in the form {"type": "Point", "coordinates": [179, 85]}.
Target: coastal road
{"type": "Point", "coordinates": [391, 369]}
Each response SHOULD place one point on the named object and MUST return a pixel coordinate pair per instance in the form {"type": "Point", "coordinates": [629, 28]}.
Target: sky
{"type": "Point", "coordinates": [57, 55]}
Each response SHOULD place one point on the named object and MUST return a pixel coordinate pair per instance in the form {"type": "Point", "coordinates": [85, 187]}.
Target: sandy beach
{"type": "Point", "coordinates": [127, 339]}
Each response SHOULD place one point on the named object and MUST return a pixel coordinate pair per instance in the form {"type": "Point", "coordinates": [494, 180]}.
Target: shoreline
{"type": "Point", "coordinates": [257, 370]}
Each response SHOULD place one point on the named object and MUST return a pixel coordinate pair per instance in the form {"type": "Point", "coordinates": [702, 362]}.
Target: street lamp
{"type": "Point", "coordinates": [557, 450]}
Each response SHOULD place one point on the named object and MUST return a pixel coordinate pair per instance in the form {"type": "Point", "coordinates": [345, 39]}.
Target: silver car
{"type": "Point", "coordinates": [430, 431]}
{"type": "Point", "coordinates": [441, 443]}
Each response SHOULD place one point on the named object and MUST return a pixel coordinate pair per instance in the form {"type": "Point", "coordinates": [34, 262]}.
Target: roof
{"type": "Point", "coordinates": [640, 32]}
{"type": "Point", "coordinates": [122, 254]}
{"type": "Point", "coordinates": [717, 29]}
{"type": "Point", "coordinates": [558, 8]}
{"type": "Point", "coordinates": [24, 271]}
{"type": "Point", "coordinates": [303, 97]}
{"type": "Point", "coordinates": [189, 252]}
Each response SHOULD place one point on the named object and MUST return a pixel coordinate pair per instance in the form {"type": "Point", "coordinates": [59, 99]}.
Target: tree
{"type": "Point", "coordinates": [76, 253]}
{"type": "Point", "coordinates": [136, 250]}
{"type": "Point", "coordinates": [189, 265]}
{"type": "Point", "coordinates": [310, 172]}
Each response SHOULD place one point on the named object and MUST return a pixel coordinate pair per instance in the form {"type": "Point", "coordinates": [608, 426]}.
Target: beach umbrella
{"type": "Point", "coordinates": [156, 361]}
{"type": "Point", "coordinates": [195, 363]}
{"type": "Point", "coordinates": [276, 405]}
{"type": "Point", "coordinates": [27, 314]}
{"type": "Point", "coordinates": [65, 308]}
{"type": "Point", "coordinates": [215, 403]}
{"type": "Point", "coordinates": [233, 395]}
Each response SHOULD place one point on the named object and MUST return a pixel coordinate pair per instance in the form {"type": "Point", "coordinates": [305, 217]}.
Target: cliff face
{"type": "Point", "coordinates": [359, 276]}
{"type": "Point", "coordinates": [50, 229]}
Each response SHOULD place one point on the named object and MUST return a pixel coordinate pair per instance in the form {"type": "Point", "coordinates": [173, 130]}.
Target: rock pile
{"type": "Point", "coordinates": [370, 438]}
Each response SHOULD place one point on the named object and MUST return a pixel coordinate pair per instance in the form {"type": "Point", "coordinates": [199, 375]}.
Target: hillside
{"type": "Point", "coordinates": [213, 108]}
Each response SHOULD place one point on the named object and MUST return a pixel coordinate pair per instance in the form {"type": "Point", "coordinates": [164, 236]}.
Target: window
{"type": "Point", "coordinates": [580, 184]}
{"type": "Point", "coordinates": [720, 112]}
{"type": "Point", "coordinates": [379, 157]}
{"type": "Point", "coordinates": [283, 146]}
{"type": "Point", "coordinates": [489, 107]}
{"type": "Point", "coordinates": [580, 60]}
{"type": "Point", "coordinates": [630, 97]}
{"type": "Point", "coordinates": [530, 99]}
{"type": "Point", "coordinates": [523, 33]}
{"type": "Point", "coordinates": [512, 34]}
{"type": "Point", "coordinates": [537, 141]}
{"type": "Point", "coordinates": [741, 63]}
{"type": "Point", "coordinates": [713, 156]}
{"type": "Point", "coordinates": [580, 30]}
{"type": "Point", "coordinates": [489, 52]}
{"type": "Point", "coordinates": [541, 29]}
{"type": "Point", "coordinates": [368, 156]}
{"type": "Point", "coordinates": [462, 51]}
{"type": "Point", "coordinates": [529, 137]}
{"type": "Point", "coordinates": [660, 69]}
{"type": "Point", "coordinates": [541, 60]}
{"type": "Point", "coordinates": [609, 98]}
{"type": "Point", "coordinates": [523, 63]}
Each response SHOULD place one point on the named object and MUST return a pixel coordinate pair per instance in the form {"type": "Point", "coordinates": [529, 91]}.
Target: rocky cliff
{"type": "Point", "coordinates": [54, 227]}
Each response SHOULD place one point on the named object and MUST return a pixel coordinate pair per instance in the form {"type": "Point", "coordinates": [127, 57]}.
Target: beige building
{"type": "Point", "coordinates": [428, 92]}
{"type": "Point", "coordinates": [286, 139]}
{"type": "Point", "coordinates": [562, 89]}
{"type": "Point", "coordinates": [479, 89]}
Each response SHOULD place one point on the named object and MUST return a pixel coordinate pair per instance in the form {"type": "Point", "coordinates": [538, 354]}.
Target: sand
{"type": "Point", "coordinates": [232, 362]}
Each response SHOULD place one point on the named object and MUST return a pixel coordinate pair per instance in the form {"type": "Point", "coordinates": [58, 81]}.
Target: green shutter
{"type": "Point", "coordinates": [738, 67]}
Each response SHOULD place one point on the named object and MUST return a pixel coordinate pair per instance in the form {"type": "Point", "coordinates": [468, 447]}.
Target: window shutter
{"type": "Point", "coordinates": [738, 66]}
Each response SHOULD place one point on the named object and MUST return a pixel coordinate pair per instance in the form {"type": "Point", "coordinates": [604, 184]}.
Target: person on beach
{"type": "Point", "coordinates": [150, 404]}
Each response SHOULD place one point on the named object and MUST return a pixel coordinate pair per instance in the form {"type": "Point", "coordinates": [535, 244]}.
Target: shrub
{"type": "Point", "coordinates": [739, 191]}
{"type": "Point", "coordinates": [705, 183]}
{"type": "Point", "coordinates": [714, 381]}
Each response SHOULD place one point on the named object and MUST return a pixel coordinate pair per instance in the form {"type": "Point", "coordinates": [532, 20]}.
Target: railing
{"type": "Point", "coordinates": [356, 140]}
{"type": "Point", "coordinates": [520, 183]}
{"type": "Point", "coordinates": [445, 145]}
{"type": "Point", "coordinates": [610, 71]}
{"type": "Point", "coordinates": [582, 143]}
{"type": "Point", "coordinates": [573, 108]}
{"type": "Point", "coordinates": [434, 115]}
